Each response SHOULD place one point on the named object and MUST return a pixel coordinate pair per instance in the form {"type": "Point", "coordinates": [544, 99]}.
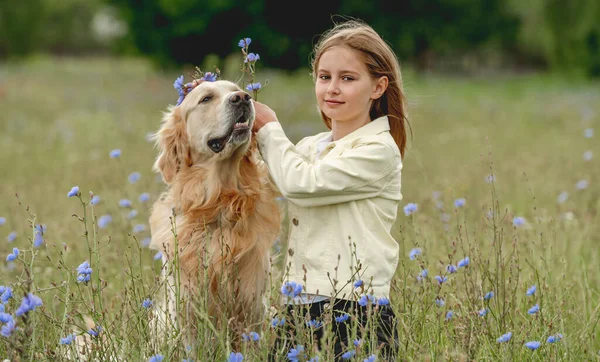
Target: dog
{"type": "Point", "coordinates": [218, 217]}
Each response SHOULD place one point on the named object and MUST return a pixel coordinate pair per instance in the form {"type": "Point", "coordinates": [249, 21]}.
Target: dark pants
{"type": "Point", "coordinates": [387, 333]}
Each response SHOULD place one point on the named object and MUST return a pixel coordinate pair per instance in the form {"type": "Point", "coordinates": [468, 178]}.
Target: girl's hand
{"type": "Point", "coordinates": [264, 115]}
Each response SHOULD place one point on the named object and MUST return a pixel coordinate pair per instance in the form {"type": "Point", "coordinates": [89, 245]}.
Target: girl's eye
{"type": "Point", "coordinates": [324, 77]}
{"type": "Point", "coordinates": [205, 99]}
{"type": "Point", "coordinates": [347, 78]}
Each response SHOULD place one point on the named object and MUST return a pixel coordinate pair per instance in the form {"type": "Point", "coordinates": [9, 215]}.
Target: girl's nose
{"type": "Point", "coordinates": [333, 88]}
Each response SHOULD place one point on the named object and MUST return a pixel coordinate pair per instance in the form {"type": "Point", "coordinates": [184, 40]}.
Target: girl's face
{"type": "Point", "coordinates": [344, 88]}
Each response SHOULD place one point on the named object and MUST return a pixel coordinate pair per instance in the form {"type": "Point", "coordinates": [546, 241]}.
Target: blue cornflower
{"type": "Point", "coordinates": [139, 228]}
{"type": "Point", "coordinates": [11, 237]}
{"type": "Point", "coordinates": [178, 84]}
{"type": "Point", "coordinates": [587, 155]}
{"type": "Point", "coordinates": [84, 272]}
{"type": "Point", "coordinates": [74, 191]}
{"type": "Point", "coordinates": [358, 283]}
{"type": "Point", "coordinates": [533, 345]}
{"type": "Point", "coordinates": [589, 133]}
{"type": "Point", "coordinates": [68, 339]}
{"type": "Point", "coordinates": [488, 295]}
{"type": "Point", "coordinates": [357, 342]}
{"type": "Point", "coordinates": [582, 184]}
{"type": "Point", "coordinates": [38, 240]}
{"type": "Point", "coordinates": [490, 178]}
{"type": "Point", "coordinates": [504, 338]}
{"type": "Point", "coordinates": [144, 197]}
{"type": "Point", "coordinates": [441, 279]}
{"type": "Point", "coordinates": [8, 328]}
{"type": "Point", "coordinates": [451, 269]}
{"type": "Point", "coordinates": [459, 202]}
{"type": "Point", "coordinates": [295, 354]}
{"type": "Point", "coordinates": [531, 291]}
{"type": "Point", "coordinates": [424, 273]}
{"type": "Point", "coordinates": [371, 358]}
{"type": "Point", "coordinates": [158, 256]}
{"type": "Point", "coordinates": [534, 309]}
{"type": "Point", "coordinates": [342, 318]}
{"type": "Point", "coordinates": [275, 322]}
{"type": "Point", "coordinates": [13, 256]}
{"type": "Point", "coordinates": [2, 220]}
{"type": "Point", "coordinates": [251, 58]}
{"type": "Point", "coordinates": [133, 213]}
{"type": "Point", "coordinates": [440, 302]}
{"type": "Point", "coordinates": [314, 323]}
{"type": "Point", "coordinates": [125, 203]}
{"type": "Point", "coordinates": [383, 301]}
{"type": "Point", "coordinates": [410, 208]}
{"type": "Point", "coordinates": [146, 241]}
{"type": "Point", "coordinates": [95, 200]}
{"type": "Point", "coordinates": [483, 312]}
{"type": "Point", "coordinates": [29, 303]}
{"type": "Point", "coordinates": [134, 177]}
{"type": "Point", "coordinates": [6, 294]}
{"type": "Point", "coordinates": [463, 263]}
{"type": "Point", "coordinates": [414, 253]}
{"type": "Point", "coordinates": [104, 220]}
{"type": "Point", "coordinates": [94, 332]}
{"type": "Point", "coordinates": [291, 289]}
{"type": "Point", "coordinates": [314, 359]}
{"type": "Point", "coordinates": [156, 358]}
{"type": "Point", "coordinates": [209, 77]}
{"type": "Point", "coordinates": [147, 303]}
{"type": "Point", "coordinates": [519, 221]}
{"type": "Point", "coordinates": [252, 336]}
{"type": "Point", "coordinates": [365, 299]}
{"type": "Point", "coordinates": [244, 42]}
{"type": "Point", "coordinates": [116, 153]}
{"type": "Point", "coordinates": [5, 317]}
{"type": "Point", "coordinates": [253, 87]}
{"type": "Point", "coordinates": [555, 338]}
{"type": "Point", "coordinates": [349, 354]}
{"type": "Point", "coordinates": [449, 315]}
{"type": "Point", "coordinates": [562, 197]}
{"type": "Point", "coordinates": [235, 357]}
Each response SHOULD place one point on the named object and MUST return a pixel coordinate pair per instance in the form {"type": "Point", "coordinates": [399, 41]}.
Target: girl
{"type": "Point", "coordinates": [343, 186]}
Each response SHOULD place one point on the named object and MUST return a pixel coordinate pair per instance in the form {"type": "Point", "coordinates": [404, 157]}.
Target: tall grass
{"type": "Point", "coordinates": [496, 170]}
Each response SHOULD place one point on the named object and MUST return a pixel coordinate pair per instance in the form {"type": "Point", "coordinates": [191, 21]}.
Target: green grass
{"type": "Point", "coordinates": [60, 118]}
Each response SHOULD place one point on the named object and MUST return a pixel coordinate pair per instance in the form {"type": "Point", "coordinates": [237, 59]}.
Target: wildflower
{"type": "Point", "coordinates": [156, 358]}
{"type": "Point", "coordinates": [29, 303]}
{"type": "Point", "coordinates": [451, 269]}
{"type": "Point", "coordinates": [488, 296]}
{"type": "Point", "coordinates": [315, 359]}
{"type": "Point", "coordinates": [209, 77]}
{"type": "Point", "coordinates": [158, 255]}
{"type": "Point", "coordinates": [504, 338]}
{"type": "Point", "coordinates": [414, 253]}
{"type": "Point", "coordinates": [533, 345]}
{"type": "Point", "coordinates": [358, 283]}
{"type": "Point", "coordinates": [349, 354]}
{"type": "Point", "coordinates": [357, 342]}
{"type": "Point", "coordinates": [5, 317]}
{"type": "Point", "coordinates": [116, 153]}
{"type": "Point", "coordinates": [133, 213]}
{"type": "Point", "coordinates": [68, 339]}
{"type": "Point", "coordinates": [104, 220]}
{"type": "Point", "coordinates": [84, 272]}
{"type": "Point", "coordinates": [371, 358]}
{"type": "Point", "coordinates": [490, 178]}
{"type": "Point", "coordinates": [13, 256]}
{"type": "Point", "coordinates": [95, 200]}
{"type": "Point", "coordinates": [253, 86]}
{"type": "Point", "coordinates": [582, 184]}
{"type": "Point", "coordinates": [483, 312]}
{"type": "Point", "coordinates": [291, 289]}
{"type": "Point", "coordinates": [383, 301]}
{"type": "Point", "coordinates": [94, 332]}
{"type": "Point", "coordinates": [251, 58]}
{"type": "Point", "coordinates": [74, 191]}
{"type": "Point", "coordinates": [8, 328]}
{"type": "Point", "coordinates": [252, 336]}
{"type": "Point", "coordinates": [11, 237]}
{"type": "Point", "coordinates": [410, 208]}
{"type": "Point", "coordinates": [449, 315]}
{"type": "Point", "coordinates": [147, 303]}
{"type": "Point", "coordinates": [134, 177]}
{"type": "Point", "coordinates": [463, 263]}
{"type": "Point", "coordinates": [459, 202]}
{"type": "Point", "coordinates": [2, 220]}
{"type": "Point", "coordinates": [365, 299]}
{"type": "Point", "coordinates": [178, 85]}
{"type": "Point", "coordinates": [424, 273]}
{"type": "Point", "coordinates": [445, 217]}
{"type": "Point", "coordinates": [144, 197]}
{"type": "Point", "coordinates": [555, 338]}
{"type": "Point", "coordinates": [518, 221]}
{"type": "Point", "coordinates": [38, 240]}
{"type": "Point", "coordinates": [589, 133]}
{"type": "Point", "coordinates": [125, 203]}
{"type": "Point", "coordinates": [146, 241]}
{"type": "Point", "coordinates": [295, 354]}
{"type": "Point", "coordinates": [6, 294]}
{"type": "Point", "coordinates": [235, 357]}
{"type": "Point", "coordinates": [534, 309]}
{"type": "Point", "coordinates": [275, 322]}
{"type": "Point", "coordinates": [441, 279]}
{"type": "Point", "coordinates": [531, 290]}
{"type": "Point", "coordinates": [314, 323]}
{"type": "Point", "coordinates": [440, 302]}
{"type": "Point", "coordinates": [244, 42]}
{"type": "Point", "coordinates": [587, 155]}
{"type": "Point", "coordinates": [342, 318]}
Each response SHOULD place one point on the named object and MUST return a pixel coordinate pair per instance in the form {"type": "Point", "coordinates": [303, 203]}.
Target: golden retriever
{"type": "Point", "coordinates": [218, 217]}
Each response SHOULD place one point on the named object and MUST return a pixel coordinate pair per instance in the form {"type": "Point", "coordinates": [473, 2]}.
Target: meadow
{"type": "Point", "coordinates": [501, 169]}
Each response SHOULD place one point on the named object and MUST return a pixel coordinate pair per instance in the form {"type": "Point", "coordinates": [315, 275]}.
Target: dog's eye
{"type": "Point", "coordinates": [205, 99]}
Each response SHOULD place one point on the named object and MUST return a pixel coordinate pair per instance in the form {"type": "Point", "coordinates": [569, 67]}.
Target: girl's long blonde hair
{"type": "Point", "coordinates": [380, 60]}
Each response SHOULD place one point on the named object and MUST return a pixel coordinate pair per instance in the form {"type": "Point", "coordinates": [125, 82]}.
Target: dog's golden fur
{"type": "Point", "coordinates": [221, 201]}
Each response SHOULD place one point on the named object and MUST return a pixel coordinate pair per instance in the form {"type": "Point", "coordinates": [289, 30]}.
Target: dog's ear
{"type": "Point", "coordinates": [173, 144]}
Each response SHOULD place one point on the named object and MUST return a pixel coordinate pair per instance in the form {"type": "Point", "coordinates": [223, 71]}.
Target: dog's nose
{"type": "Point", "coordinates": [239, 97]}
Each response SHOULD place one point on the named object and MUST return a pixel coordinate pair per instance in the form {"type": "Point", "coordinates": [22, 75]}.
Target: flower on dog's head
{"type": "Point", "coordinates": [209, 77]}
{"type": "Point", "coordinates": [183, 89]}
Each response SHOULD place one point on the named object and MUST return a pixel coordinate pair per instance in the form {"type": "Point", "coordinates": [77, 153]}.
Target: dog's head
{"type": "Point", "coordinates": [213, 122]}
